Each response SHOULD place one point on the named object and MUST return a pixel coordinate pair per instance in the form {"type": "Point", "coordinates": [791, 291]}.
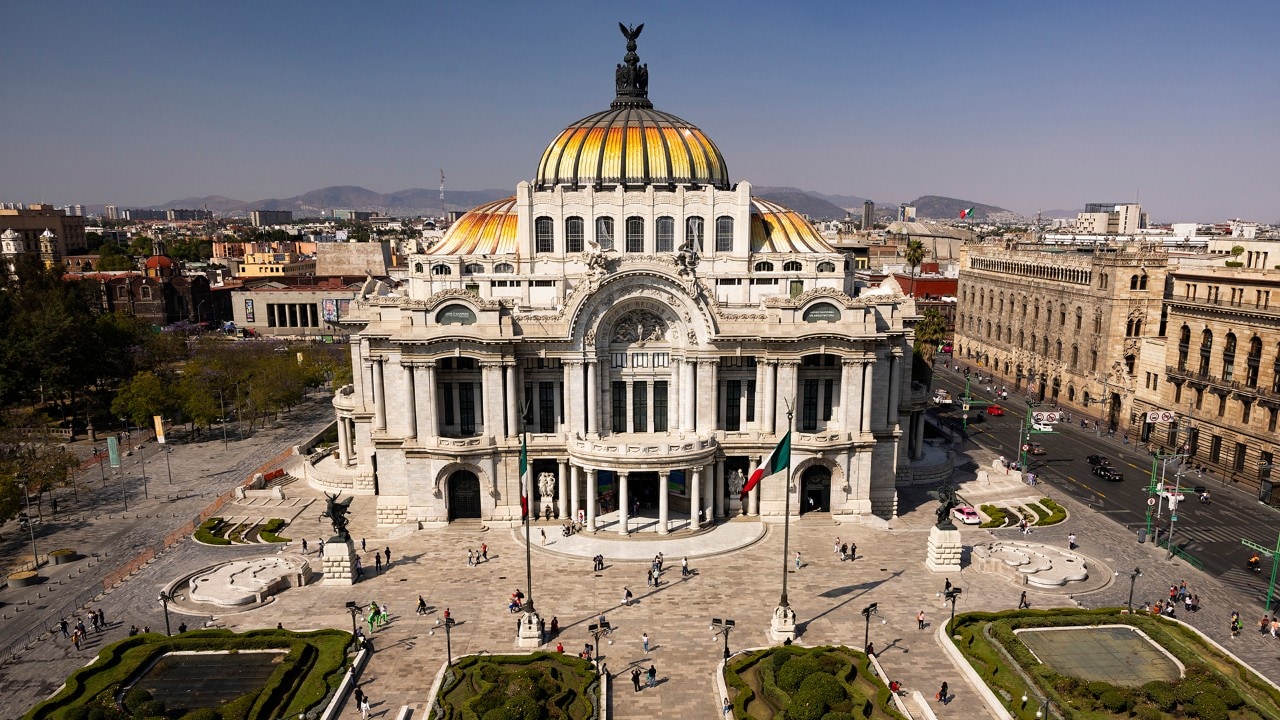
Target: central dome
{"type": "Point", "coordinates": [631, 144]}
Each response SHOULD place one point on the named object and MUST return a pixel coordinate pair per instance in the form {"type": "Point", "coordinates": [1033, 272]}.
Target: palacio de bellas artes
{"type": "Point", "coordinates": [644, 330]}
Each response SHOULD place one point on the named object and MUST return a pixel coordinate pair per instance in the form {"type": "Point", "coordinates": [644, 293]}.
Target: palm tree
{"type": "Point", "coordinates": [914, 254]}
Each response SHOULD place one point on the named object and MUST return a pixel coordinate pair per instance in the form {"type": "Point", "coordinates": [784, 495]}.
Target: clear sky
{"type": "Point", "coordinates": [1024, 105]}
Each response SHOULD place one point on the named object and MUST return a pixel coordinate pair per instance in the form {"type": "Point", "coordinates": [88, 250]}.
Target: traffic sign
{"type": "Point", "coordinates": [1161, 416]}
{"type": "Point", "coordinates": [1151, 501]}
{"type": "Point", "coordinates": [966, 407]}
{"type": "Point", "coordinates": [1047, 417]}
{"type": "Point", "coordinates": [1173, 518]}
{"type": "Point", "coordinates": [1026, 448]}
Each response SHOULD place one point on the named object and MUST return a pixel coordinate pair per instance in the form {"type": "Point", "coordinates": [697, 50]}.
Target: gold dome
{"type": "Point", "coordinates": [486, 230]}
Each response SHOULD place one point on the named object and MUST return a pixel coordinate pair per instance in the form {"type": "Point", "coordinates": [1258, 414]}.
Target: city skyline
{"type": "Point", "coordinates": [1024, 107]}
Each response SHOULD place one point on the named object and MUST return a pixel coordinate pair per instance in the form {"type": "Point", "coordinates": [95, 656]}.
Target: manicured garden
{"type": "Point", "coordinates": [795, 683]}
{"type": "Point", "coordinates": [303, 679]}
{"type": "Point", "coordinates": [1043, 512]}
{"type": "Point", "coordinates": [1213, 686]}
{"type": "Point", "coordinates": [520, 687]}
{"type": "Point", "coordinates": [219, 531]}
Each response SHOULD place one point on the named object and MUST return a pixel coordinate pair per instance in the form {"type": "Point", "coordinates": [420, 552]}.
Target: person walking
{"type": "Point", "coordinates": [652, 676]}
{"type": "Point", "coordinates": [920, 619]}
{"type": "Point", "coordinates": [844, 552]}
{"type": "Point", "coordinates": [853, 551]}
{"type": "Point", "coordinates": [644, 638]}
{"type": "Point", "coordinates": [635, 678]}
{"type": "Point", "coordinates": [471, 558]}
{"type": "Point", "coordinates": [943, 692]}
{"type": "Point", "coordinates": [1071, 541]}
{"type": "Point", "coordinates": [684, 566]}
{"type": "Point", "coordinates": [626, 596]}
{"type": "Point", "coordinates": [320, 551]}
{"type": "Point", "coordinates": [304, 546]}
{"type": "Point", "coordinates": [1022, 601]}
{"type": "Point", "coordinates": [377, 564]}
{"type": "Point", "coordinates": [484, 551]}
{"type": "Point", "coordinates": [364, 708]}
{"type": "Point", "coordinates": [797, 561]}
{"type": "Point", "coordinates": [362, 548]}
{"type": "Point", "coordinates": [422, 606]}
{"type": "Point", "coordinates": [387, 552]}
{"type": "Point", "coordinates": [837, 545]}
{"type": "Point", "coordinates": [63, 627]}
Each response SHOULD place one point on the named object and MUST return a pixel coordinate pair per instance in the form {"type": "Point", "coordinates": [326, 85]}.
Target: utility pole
{"type": "Point", "coordinates": [1275, 565]}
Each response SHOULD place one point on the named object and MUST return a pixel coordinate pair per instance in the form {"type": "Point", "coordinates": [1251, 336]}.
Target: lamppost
{"type": "Point", "coordinates": [164, 598]}
{"type": "Point", "coordinates": [722, 627]}
{"type": "Point", "coordinates": [167, 450]}
{"type": "Point", "coordinates": [599, 630]}
{"type": "Point", "coordinates": [1043, 712]}
{"type": "Point", "coordinates": [223, 406]}
{"type": "Point", "coordinates": [952, 595]}
{"type": "Point", "coordinates": [447, 623]}
{"type": "Point", "coordinates": [867, 612]}
{"type": "Point", "coordinates": [31, 523]}
{"type": "Point", "coordinates": [355, 611]}
{"type": "Point", "coordinates": [1133, 580]}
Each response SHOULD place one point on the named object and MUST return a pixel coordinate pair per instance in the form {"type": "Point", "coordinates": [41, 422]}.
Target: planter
{"type": "Point", "coordinates": [64, 555]}
{"type": "Point", "coordinates": [25, 578]}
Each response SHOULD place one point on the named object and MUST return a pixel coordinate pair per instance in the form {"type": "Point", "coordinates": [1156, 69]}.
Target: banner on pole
{"type": "Point", "coordinates": [113, 451]}
{"type": "Point", "coordinates": [159, 421]}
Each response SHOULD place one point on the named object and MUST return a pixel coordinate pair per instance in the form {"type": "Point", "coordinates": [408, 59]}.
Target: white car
{"type": "Point", "coordinates": [966, 515]}
{"type": "Point", "coordinates": [1041, 428]}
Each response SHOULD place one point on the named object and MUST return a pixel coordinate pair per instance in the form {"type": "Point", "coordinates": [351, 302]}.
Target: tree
{"type": "Point", "coordinates": [914, 254]}
{"type": "Point", "coordinates": [930, 332]}
{"type": "Point", "coordinates": [144, 397]}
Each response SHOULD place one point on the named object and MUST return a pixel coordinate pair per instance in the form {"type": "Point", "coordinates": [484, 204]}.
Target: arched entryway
{"type": "Point", "coordinates": [464, 495]}
{"type": "Point", "coordinates": [1113, 412]}
{"type": "Point", "coordinates": [815, 490]}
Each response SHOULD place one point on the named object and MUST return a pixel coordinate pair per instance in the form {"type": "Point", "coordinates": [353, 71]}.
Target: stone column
{"type": "Point", "coordinates": [919, 419]}
{"type": "Point", "coordinates": [513, 400]}
{"type": "Point", "coordinates": [847, 418]}
{"type": "Point", "coordinates": [770, 397]}
{"type": "Point", "coordinates": [622, 503]}
{"type": "Point", "coordinates": [429, 399]}
{"type": "Point", "coordinates": [868, 384]}
{"type": "Point", "coordinates": [627, 403]}
{"type": "Point", "coordinates": [664, 503]}
{"type": "Point", "coordinates": [379, 397]}
{"type": "Point", "coordinates": [562, 482]}
{"type": "Point", "coordinates": [491, 398]}
{"type": "Point", "coordinates": [591, 499]}
{"type": "Point", "coordinates": [895, 389]}
{"type": "Point", "coordinates": [753, 498]}
{"type": "Point", "coordinates": [675, 397]}
{"type": "Point", "coordinates": [410, 404]}
{"type": "Point", "coordinates": [717, 487]}
{"type": "Point", "coordinates": [708, 487]}
{"type": "Point", "coordinates": [788, 373]}
{"type": "Point", "coordinates": [593, 399]}
{"type": "Point", "coordinates": [695, 496]}
{"type": "Point", "coordinates": [344, 442]}
{"type": "Point", "coordinates": [708, 399]}
{"type": "Point", "coordinates": [575, 500]}
{"type": "Point", "coordinates": [573, 398]}
{"type": "Point", "coordinates": [688, 392]}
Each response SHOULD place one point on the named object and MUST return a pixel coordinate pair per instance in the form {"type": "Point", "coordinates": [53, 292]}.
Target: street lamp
{"type": "Point", "coordinates": [164, 598]}
{"type": "Point", "coordinates": [168, 449]}
{"type": "Point", "coordinates": [599, 630]}
{"type": "Point", "coordinates": [1043, 712]}
{"type": "Point", "coordinates": [447, 623]}
{"type": "Point", "coordinates": [722, 627]}
{"type": "Point", "coordinates": [952, 595]}
{"type": "Point", "coordinates": [31, 526]}
{"type": "Point", "coordinates": [867, 612]}
{"type": "Point", "coordinates": [355, 611]}
{"type": "Point", "coordinates": [1133, 579]}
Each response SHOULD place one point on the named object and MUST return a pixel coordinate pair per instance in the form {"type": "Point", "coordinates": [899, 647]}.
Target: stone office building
{"type": "Point", "coordinates": [1066, 323]}
{"type": "Point", "coordinates": [649, 325]}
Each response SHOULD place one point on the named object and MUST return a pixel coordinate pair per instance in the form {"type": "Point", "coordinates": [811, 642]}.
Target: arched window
{"type": "Point", "coordinates": [604, 232]}
{"type": "Point", "coordinates": [1255, 359]}
{"type": "Point", "coordinates": [1093, 360]}
{"type": "Point", "coordinates": [574, 233]}
{"type": "Point", "coordinates": [1097, 324]}
{"type": "Point", "coordinates": [792, 266]}
{"type": "Point", "coordinates": [145, 292]}
{"type": "Point", "coordinates": [1075, 356]}
{"type": "Point", "coordinates": [1133, 283]}
{"type": "Point", "coordinates": [1071, 393]}
{"type": "Point", "coordinates": [1022, 339]}
{"type": "Point", "coordinates": [1142, 282]}
{"type": "Point", "coordinates": [1044, 347]}
{"type": "Point", "coordinates": [1062, 316]}
{"type": "Point", "coordinates": [441, 270]}
{"type": "Point", "coordinates": [1206, 347]}
{"type": "Point", "coordinates": [635, 234]}
{"type": "Point", "coordinates": [1079, 317]}
{"type": "Point", "coordinates": [694, 229]}
{"type": "Point", "coordinates": [724, 234]}
{"type": "Point", "coordinates": [504, 268]}
{"type": "Point", "coordinates": [1057, 353]}
{"type": "Point", "coordinates": [1184, 347]}
{"type": "Point", "coordinates": [999, 332]}
{"type": "Point", "coordinates": [1102, 281]}
{"type": "Point", "coordinates": [764, 267]}
{"type": "Point", "coordinates": [473, 269]}
{"type": "Point", "coordinates": [826, 267]}
{"type": "Point", "coordinates": [456, 314]}
{"type": "Point", "coordinates": [1129, 362]}
{"type": "Point", "coordinates": [1229, 357]}
{"type": "Point", "coordinates": [1008, 335]}
{"type": "Point", "coordinates": [543, 235]}
{"type": "Point", "coordinates": [417, 267]}
{"type": "Point", "coordinates": [665, 234]}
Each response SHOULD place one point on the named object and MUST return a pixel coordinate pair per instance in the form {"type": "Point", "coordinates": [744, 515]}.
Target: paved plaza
{"type": "Point", "coordinates": [738, 573]}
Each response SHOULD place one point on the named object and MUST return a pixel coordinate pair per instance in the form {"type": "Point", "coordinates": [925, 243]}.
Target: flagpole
{"type": "Point", "coordinates": [786, 518]}
{"type": "Point", "coordinates": [527, 489]}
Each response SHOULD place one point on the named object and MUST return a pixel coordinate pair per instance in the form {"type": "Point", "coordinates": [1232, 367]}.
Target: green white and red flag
{"type": "Point", "coordinates": [778, 460]}
{"type": "Point", "coordinates": [966, 213]}
{"type": "Point", "coordinates": [524, 480]}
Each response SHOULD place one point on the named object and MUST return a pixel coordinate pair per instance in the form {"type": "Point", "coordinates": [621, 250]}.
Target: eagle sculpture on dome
{"type": "Point", "coordinates": [632, 78]}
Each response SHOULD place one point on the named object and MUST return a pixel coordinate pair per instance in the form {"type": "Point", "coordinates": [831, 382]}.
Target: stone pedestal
{"type": "Point", "coordinates": [529, 634]}
{"type": "Point", "coordinates": [339, 562]}
{"type": "Point", "coordinates": [783, 626]}
{"type": "Point", "coordinates": [945, 550]}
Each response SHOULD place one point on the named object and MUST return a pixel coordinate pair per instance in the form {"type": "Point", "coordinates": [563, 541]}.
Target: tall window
{"type": "Point", "coordinates": [1079, 318]}
{"type": "Point", "coordinates": [660, 406]}
{"type": "Point", "coordinates": [547, 406]}
{"type": "Point", "coordinates": [543, 235]}
{"type": "Point", "coordinates": [1184, 347]}
{"type": "Point", "coordinates": [467, 408]}
{"type": "Point", "coordinates": [1229, 357]}
{"type": "Point", "coordinates": [1206, 348]}
{"type": "Point", "coordinates": [665, 234]}
{"type": "Point", "coordinates": [604, 232]}
{"type": "Point", "coordinates": [635, 234]}
{"type": "Point", "coordinates": [809, 411]}
{"type": "Point", "coordinates": [1254, 360]}
{"type": "Point", "coordinates": [573, 234]}
{"type": "Point", "coordinates": [732, 413]}
{"type": "Point", "coordinates": [724, 234]}
{"type": "Point", "coordinates": [694, 230]}
{"type": "Point", "coordinates": [618, 401]}
{"type": "Point", "coordinates": [640, 406]}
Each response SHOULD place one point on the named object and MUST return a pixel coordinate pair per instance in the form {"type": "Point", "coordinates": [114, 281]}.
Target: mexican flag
{"type": "Point", "coordinates": [966, 213]}
{"type": "Point", "coordinates": [778, 460]}
{"type": "Point", "coordinates": [524, 480]}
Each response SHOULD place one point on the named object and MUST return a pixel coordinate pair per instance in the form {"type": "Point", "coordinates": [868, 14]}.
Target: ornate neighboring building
{"type": "Point", "coordinates": [649, 325]}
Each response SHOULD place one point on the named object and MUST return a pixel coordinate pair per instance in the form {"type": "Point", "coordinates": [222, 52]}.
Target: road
{"type": "Point", "coordinates": [1210, 533]}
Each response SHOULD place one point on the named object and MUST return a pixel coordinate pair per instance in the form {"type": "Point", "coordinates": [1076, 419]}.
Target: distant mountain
{"type": "Point", "coordinates": [937, 207]}
{"type": "Point", "coordinates": [414, 201]}
{"type": "Point", "coordinates": [217, 203]}
{"type": "Point", "coordinates": [1059, 214]}
{"type": "Point", "coordinates": [803, 202]}
{"type": "Point", "coordinates": [849, 202]}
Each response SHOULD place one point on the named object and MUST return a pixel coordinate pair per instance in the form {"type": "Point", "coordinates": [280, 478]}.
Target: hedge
{"type": "Point", "coordinates": [998, 516]}
{"type": "Point", "coordinates": [795, 683]}
{"type": "Point", "coordinates": [1057, 513]}
{"type": "Point", "coordinates": [208, 532]}
{"type": "Point", "coordinates": [270, 532]}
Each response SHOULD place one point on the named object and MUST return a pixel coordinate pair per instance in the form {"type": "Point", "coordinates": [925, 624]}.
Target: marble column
{"type": "Point", "coordinates": [770, 397]}
{"type": "Point", "coordinates": [591, 499]}
{"type": "Point", "coordinates": [848, 420]}
{"type": "Point", "coordinates": [708, 398]}
{"type": "Point", "coordinates": [664, 503]}
{"type": "Point", "coordinates": [360, 347]}
{"type": "Point", "coordinates": [429, 400]}
{"type": "Point", "coordinates": [593, 397]}
{"type": "Point", "coordinates": [379, 397]}
{"type": "Point", "coordinates": [919, 417]}
{"type": "Point", "coordinates": [788, 375]}
{"type": "Point", "coordinates": [562, 482]}
{"type": "Point", "coordinates": [513, 400]}
{"type": "Point", "coordinates": [573, 398]}
{"type": "Point", "coordinates": [688, 387]}
{"type": "Point", "coordinates": [695, 496]}
{"type": "Point", "coordinates": [717, 487]}
{"type": "Point", "coordinates": [895, 389]}
{"type": "Point", "coordinates": [868, 384]}
{"type": "Point", "coordinates": [410, 404]}
{"type": "Point", "coordinates": [575, 499]}
{"type": "Point", "coordinates": [491, 399]}
{"type": "Point", "coordinates": [753, 498]}
{"type": "Point", "coordinates": [344, 442]}
{"type": "Point", "coordinates": [623, 499]}
{"type": "Point", "coordinates": [708, 487]}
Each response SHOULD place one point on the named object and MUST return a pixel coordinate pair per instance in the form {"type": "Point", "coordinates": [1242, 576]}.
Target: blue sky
{"type": "Point", "coordinates": [1025, 105]}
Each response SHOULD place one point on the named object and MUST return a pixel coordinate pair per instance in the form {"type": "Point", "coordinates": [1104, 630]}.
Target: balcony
{"type": "Point", "coordinates": [1240, 389]}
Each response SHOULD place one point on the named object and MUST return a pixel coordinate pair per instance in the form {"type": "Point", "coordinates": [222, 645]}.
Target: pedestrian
{"type": "Point", "coordinates": [1275, 626]}
{"type": "Point", "coordinates": [844, 552]}
{"type": "Point", "coordinates": [652, 676]}
{"type": "Point", "coordinates": [304, 546]}
{"type": "Point", "coordinates": [626, 596]}
{"type": "Point", "coordinates": [387, 552]}
{"type": "Point", "coordinates": [63, 626]}
{"type": "Point", "coordinates": [1182, 590]}
{"type": "Point", "coordinates": [943, 692]}
{"type": "Point", "coordinates": [1071, 541]}
{"type": "Point", "coordinates": [102, 619]}
{"type": "Point", "coordinates": [853, 551]}
{"type": "Point", "coordinates": [797, 561]}
{"type": "Point", "coordinates": [133, 630]}
{"type": "Point", "coordinates": [182, 627]}
{"type": "Point", "coordinates": [726, 706]}
{"type": "Point", "coordinates": [920, 619]}
{"type": "Point", "coordinates": [359, 696]}
{"type": "Point", "coordinates": [1022, 602]}
{"type": "Point", "coordinates": [362, 548]}
{"type": "Point", "coordinates": [93, 620]}
{"type": "Point", "coordinates": [484, 551]}
{"type": "Point", "coordinates": [471, 558]}
{"type": "Point", "coordinates": [543, 533]}
{"type": "Point", "coordinates": [946, 587]}
{"type": "Point", "coordinates": [359, 569]}
{"type": "Point", "coordinates": [422, 605]}
{"type": "Point", "coordinates": [871, 649]}
{"type": "Point", "coordinates": [559, 647]}
{"type": "Point", "coordinates": [684, 566]}
{"type": "Point", "coordinates": [320, 550]}
{"type": "Point", "coordinates": [837, 544]}
{"type": "Point", "coordinates": [644, 638]}
{"type": "Point", "coordinates": [555, 626]}
{"type": "Point", "coordinates": [364, 708]}
{"type": "Point", "coordinates": [53, 503]}
{"type": "Point", "coordinates": [75, 638]}
{"type": "Point", "coordinates": [377, 563]}
{"type": "Point", "coordinates": [635, 678]}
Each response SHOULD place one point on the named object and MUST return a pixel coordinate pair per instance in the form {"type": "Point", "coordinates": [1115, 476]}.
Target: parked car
{"type": "Point", "coordinates": [1108, 473]}
{"type": "Point", "coordinates": [995, 410]}
{"type": "Point", "coordinates": [966, 515]}
{"type": "Point", "coordinates": [942, 397]}
{"type": "Point", "coordinates": [1096, 460]}
{"type": "Point", "coordinates": [1041, 428]}
{"type": "Point", "coordinates": [1036, 448]}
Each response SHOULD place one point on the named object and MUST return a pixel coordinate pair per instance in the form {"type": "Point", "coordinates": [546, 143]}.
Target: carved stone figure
{"type": "Point", "coordinates": [639, 326]}
{"type": "Point", "coordinates": [736, 482]}
{"type": "Point", "coordinates": [546, 485]}
{"type": "Point", "coordinates": [947, 501]}
{"type": "Point", "coordinates": [687, 257]}
{"type": "Point", "coordinates": [337, 513]}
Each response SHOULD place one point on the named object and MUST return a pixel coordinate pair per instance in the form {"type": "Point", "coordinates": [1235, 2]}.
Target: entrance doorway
{"type": "Point", "coordinates": [642, 487]}
{"type": "Point", "coordinates": [464, 495]}
{"type": "Point", "coordinates": [815, 490]}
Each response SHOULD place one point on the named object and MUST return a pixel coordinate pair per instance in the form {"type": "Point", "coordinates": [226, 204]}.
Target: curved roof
{"type": "Point", "coordinates": [775, 228]}
{"type": "Point", "coordinates": [159, 261]}
{"type": "Point", "coordinates": [631, 146]}
{"type": "Point", "coordinates": [487, 230]}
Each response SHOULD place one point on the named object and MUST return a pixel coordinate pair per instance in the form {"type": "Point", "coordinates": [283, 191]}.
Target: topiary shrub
{"type": "Point", "coordinates": [1231, 698]}
{"type": "Point", "coordinates": [207, 532]}
{"type": "Point", "coordinates": [794, 671]}
{"type": "Point", "coordinates": [1057, 513]}
{"type": "Point", "coordinates": [824, 687]}
{"type": "Point", "coordinates": [997, 516]}
{"type": "Point", "coordinates": [1209, 707]}
{"type": "Point", "coordinates": [1097, 688]}
{"type": "Point", "coordinates": [1115, 701]}
{"type": "Point", "coordinates": [271, 531]}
